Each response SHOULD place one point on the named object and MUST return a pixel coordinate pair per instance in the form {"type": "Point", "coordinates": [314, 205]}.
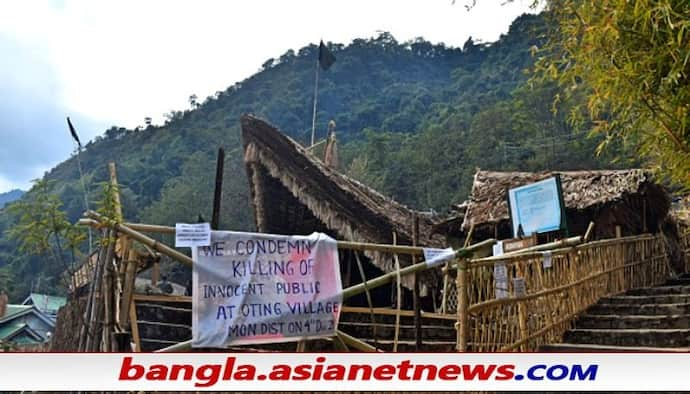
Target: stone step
{"type": "Point", "coordinates": [647, 299]}
{"type": "Point", "coordinates": [390, 319]}
{"type": "Point", "coordinates": [659, 290]}
{"type": "Point", "coordinates": [681, 281]}
{"type": "Point", "coordinates": [644, 309]}
{"type": "Point", "coordinates": [387, 331]}
{"type": "Point", "coordinates": [593, 348]}
{"type": "Point", "coordinates": [409, 346]}
{"type": "Point", "coordinates": [630, 337]}
{"type": "Point", "coordinates": [632, 321]}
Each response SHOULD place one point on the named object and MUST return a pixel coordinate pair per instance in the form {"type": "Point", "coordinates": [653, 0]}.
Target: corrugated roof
{"type": "Point", "coordinates": [13, 310]}
{"type": "Point", "coordinates": [45, 303]}
{"type": "Point", "coordinates": [9, 332]}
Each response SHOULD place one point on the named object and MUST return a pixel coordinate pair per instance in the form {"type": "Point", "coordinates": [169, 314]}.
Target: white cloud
{"type": "Point", "coordinates": [116, 62]}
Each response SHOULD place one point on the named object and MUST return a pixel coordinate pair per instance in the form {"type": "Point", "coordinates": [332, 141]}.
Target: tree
{"type": "Point", "coordinates": [194, 101]}
{"type": "Point", "coordinates": [43, 229]}
{"type": "Point", "coordinates": [632, 61]}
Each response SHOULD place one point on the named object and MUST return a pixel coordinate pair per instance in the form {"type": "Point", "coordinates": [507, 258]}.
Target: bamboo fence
{"type": "Point", "coordinates": [515, 302]}
{"type": "Point", "coordinates": [685, 245]}
{"type": "Point", "coordinates": [522, 318]}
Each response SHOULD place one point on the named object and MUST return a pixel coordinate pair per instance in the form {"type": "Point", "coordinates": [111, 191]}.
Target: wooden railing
{"type": "Point", "coordinates": [685, 245]}
{"type": "Point", "coordinates": [514, 317]}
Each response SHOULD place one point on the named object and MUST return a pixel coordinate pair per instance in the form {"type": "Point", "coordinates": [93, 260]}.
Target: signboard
{"type": "Point", "coordinates": [190, 235]}
{"type": "Point", "coordinates": [537, 207]}
{"type": "Point", "coordinates": [435, 256]}
{"type": "Point", "coordinates": [512, 245]}
{"type": "Point", "coordinates": [261, 288]}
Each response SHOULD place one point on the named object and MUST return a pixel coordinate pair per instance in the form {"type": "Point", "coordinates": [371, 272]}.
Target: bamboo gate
{"type": "Point", "coordinates": [579, 273]}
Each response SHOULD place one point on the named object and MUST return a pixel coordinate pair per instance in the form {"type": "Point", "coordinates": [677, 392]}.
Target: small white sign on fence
{"type": "Point", "coordinates": [519, 287]}
{"type": "Point", "coordinates": [191, 235]}
{"type": "Point", "coordinates": [548, 259]}
{"type": "Point", "coordinates": [500, 273]}
{"type": "Point", "coordinates": [434, 256]}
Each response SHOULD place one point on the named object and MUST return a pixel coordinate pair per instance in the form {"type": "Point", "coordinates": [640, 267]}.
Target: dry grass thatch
{"type": "Point", "coordinates": [294, 192]}
{"type": "Point", "coordinates": [625, 197]}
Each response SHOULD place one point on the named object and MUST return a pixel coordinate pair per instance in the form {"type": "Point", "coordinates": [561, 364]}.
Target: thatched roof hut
{"type": "Point", "coordinates": [626, 198]}
{"type": "Point", "coordinates": [294, 192]}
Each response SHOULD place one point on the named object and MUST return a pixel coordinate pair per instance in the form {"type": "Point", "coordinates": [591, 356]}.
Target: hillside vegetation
{"type": "Point", "coordinates": [414, 120]}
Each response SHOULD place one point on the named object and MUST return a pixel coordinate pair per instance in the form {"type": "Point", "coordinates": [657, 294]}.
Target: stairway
{"type": "Point", "coordinates": [654, 319]}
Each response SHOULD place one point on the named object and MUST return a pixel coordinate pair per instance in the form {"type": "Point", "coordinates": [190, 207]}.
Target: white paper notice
{"type": "Point", "coordinates": [434, 257]}
{"type": "Point", "coordinates": [519, 287]}
{"type": "Point", "coordinates": [498, 248]}
{"type": "Point", "coordinates": [191, 235]}
{"type": "Point", "coordinates": [548, 260]}
{"type": "Point", "coordinates": [500, 273]}
{"type": "Point", "coordinates": [501, 280]}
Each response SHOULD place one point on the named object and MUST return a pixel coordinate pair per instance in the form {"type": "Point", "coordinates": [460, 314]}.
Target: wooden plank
{"type": "Point", "coordinates": [162, 298]}
{"type": "Point", "coordinates": [393, 312]}
{"type": "Point", "coordinates": [511, 245]}
{"type": "Point", "coordinates": [135, 327]}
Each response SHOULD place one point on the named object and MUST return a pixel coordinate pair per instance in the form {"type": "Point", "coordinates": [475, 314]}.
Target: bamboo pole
{"type": "Point", "coordinates": [218, 191]}
{"type": "Point", "coordinates": [463, 301]}
{"type": "Point", "coordinates": [128, 292]}
{"type": "Point", "coordinates": [347, 293]}
{"type": "Point", "coordinates": [410, 269]}
{"type": "Point", "coordinates": [416, 301]}
{"type": "Point", "coordinates": [588, 233]}
{"type": "Point", "coordinates": [522, 305]}
{"type": "Point", "coordinates": [356, 343]}
{"type": "Point", "coordinates": [360, 246]}
{"type": "Point", "coordinates": [567, 242]}
{"type": "Point", "coordinates": [398, 296]}
{"type": "Point", "coordinates": [107, 307]}
{"type": "Point", "coordinates": [150, 242]}
{"type": "Point", "coordinates": [93, 341]}
{"type": "Point", "coordinates": [135, 327]}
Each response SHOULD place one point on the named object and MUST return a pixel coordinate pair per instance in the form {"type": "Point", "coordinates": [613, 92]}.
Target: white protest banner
{"type": "Point", "coordinates": [262, 288]}
{"type": "Point", "coordinates": [434, 256]}
{"type": "Point", "coordinates": [191, 235]}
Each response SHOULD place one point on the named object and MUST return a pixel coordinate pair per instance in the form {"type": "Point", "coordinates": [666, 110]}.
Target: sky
{"type": "Point", "coordinates": [106, 63]}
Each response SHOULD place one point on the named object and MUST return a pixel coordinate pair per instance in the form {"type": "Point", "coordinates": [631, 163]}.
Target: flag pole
{"type": "Point", "coordinates": [316, 95]}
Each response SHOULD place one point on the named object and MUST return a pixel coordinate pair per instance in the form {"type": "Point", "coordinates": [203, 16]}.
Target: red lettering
{"type": "Point", "coordinates": [128, 367]}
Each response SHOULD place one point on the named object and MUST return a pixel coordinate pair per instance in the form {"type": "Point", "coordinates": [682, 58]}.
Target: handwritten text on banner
{"type": "Point", "coordinates": [261, 288]}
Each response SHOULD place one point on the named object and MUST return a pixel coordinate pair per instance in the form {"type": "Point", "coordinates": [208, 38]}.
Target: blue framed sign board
{"type": "Point", "coordinates": [537, 207]}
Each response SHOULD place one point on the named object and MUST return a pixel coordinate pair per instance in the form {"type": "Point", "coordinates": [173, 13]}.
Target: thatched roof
{"type": "Point", "coordinates": [582, 190]}
{"type": "Point", "coordinates": [294, 192]}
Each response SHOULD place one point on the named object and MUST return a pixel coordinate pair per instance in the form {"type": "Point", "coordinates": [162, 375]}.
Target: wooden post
{"type": "Point", "coordinates": [416, 302]}
{"type": "Point", "coordinates": [218, 192]}
{"type": "Point", "coordinates": [644, 215]}
{"type": "Point", "coordinates": [107, 306]}
{"type": "Point", "coordinates": [128, 291]}
{"type": "Point", "coordinates": [522, 309]}
{"type": "Point", "coordinates": [619, 233]}
{"type": "Point", "coordinates": [461, 286]}
{"type": "Point", "coordinates": [135, 327]}
{"type": "Point", "coordinates": [113, 182]}
{"type": "Point", "coordinates": [155, 273]}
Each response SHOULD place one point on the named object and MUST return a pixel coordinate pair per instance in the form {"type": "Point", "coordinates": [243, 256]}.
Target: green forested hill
{"type": "Point", "coordinates": [414, 120]}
